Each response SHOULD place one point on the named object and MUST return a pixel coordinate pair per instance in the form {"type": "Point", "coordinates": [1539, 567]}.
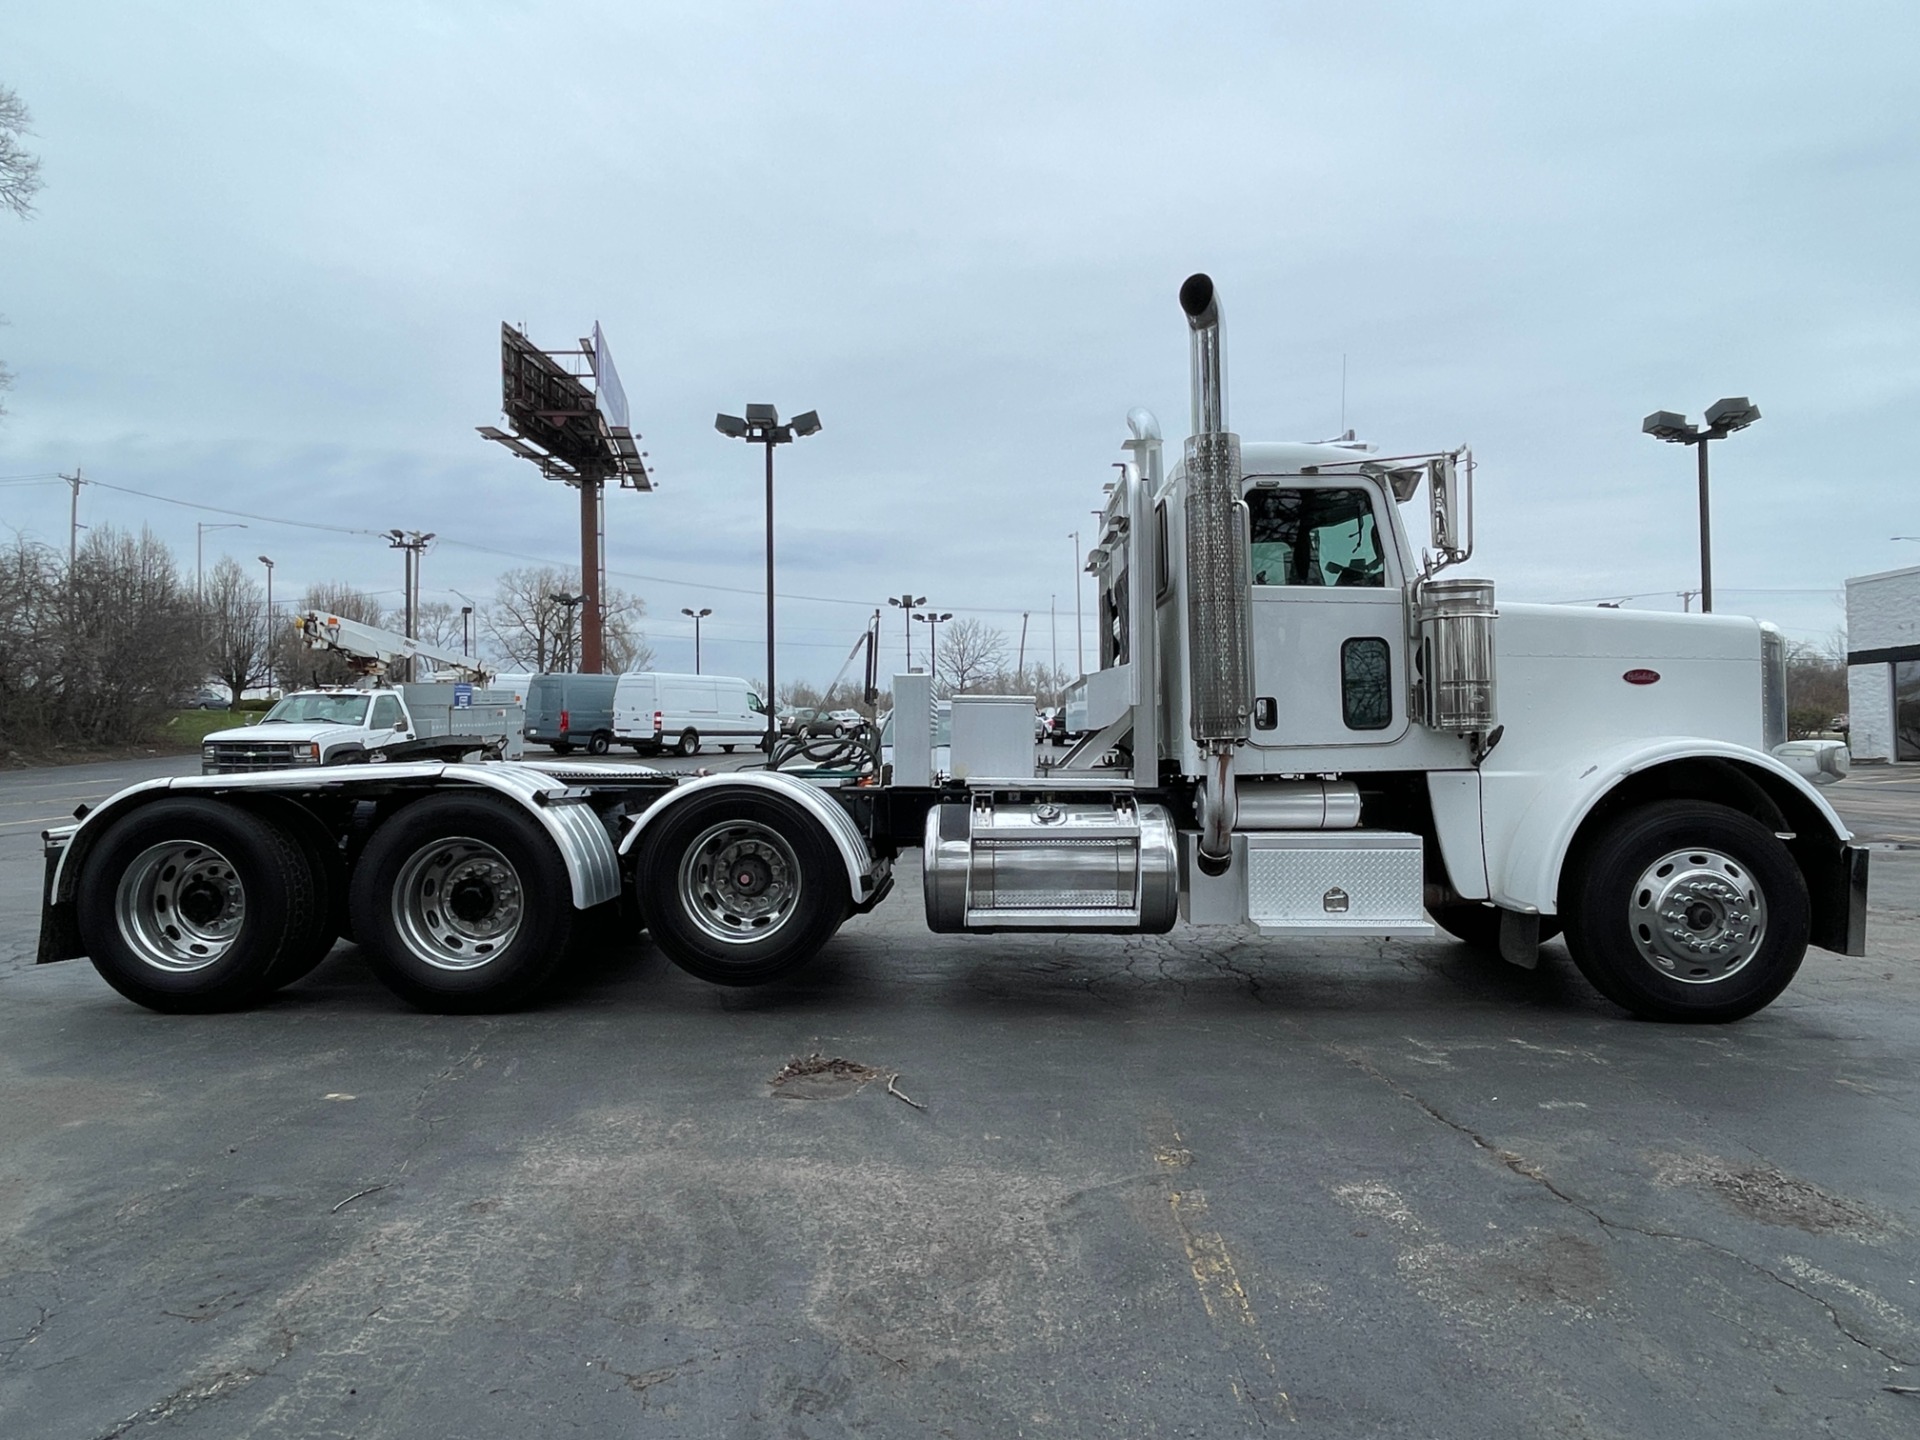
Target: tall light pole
{"type": "Point", "coordinates": [1079, 631]}
{"type": "Point", "coordinates": [698, 616]}
{"type": "Point", "coordinates": [569, 601]}
{"type": "Point", "coordinates": [1723, 418]}
{"type": "Point", "coordinates": [200, 528]}
{"type": "Point", "coordinates": [466, 631]}
{"type": "Point", "coordinates": [906, 600]}
{"type": "Point", "coordinates": [269, 564]}
{"type": "Point", "coordinates": [933, 638]}
{"type": "Point", "coordinates": [762, 427]}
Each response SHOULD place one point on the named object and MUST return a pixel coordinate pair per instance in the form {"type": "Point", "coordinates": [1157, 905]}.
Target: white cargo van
{"type": "Point", "coordinates": [654, 712]}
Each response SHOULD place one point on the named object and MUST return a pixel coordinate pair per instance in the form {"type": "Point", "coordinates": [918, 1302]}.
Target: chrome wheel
{"type": "Point", "coordinates": [179, 906]}
{"type": "Point", "coordinates": [740, 881]}
{"type": "Point", "coordinates": [1697, 916]}
{"type": "Point", "coordinates": [457, 903]}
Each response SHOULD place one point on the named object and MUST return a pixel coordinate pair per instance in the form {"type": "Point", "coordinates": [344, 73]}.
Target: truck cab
{"type": "Point", "coordinates": [331, 726]}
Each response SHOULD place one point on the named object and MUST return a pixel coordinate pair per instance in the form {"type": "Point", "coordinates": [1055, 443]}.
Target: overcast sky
{"type": "Point", "coordinates": [275, 246]}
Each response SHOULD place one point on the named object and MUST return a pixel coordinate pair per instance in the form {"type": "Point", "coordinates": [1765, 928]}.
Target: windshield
{"type": "Point", "coordinates": [321, 709]}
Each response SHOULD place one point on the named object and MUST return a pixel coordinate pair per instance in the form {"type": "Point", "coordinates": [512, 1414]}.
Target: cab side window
{"type": "Point", "coordinates": [1315, 537]}
{"type": "Point", "coordinates": [386, 710]}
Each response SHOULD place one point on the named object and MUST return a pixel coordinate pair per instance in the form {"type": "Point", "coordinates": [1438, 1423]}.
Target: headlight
{"type": "Point", "coordinates": [308, 754]}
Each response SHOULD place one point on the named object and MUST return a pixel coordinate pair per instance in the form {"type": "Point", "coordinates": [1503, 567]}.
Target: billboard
{"type": "Point", "coordinates": [612, 395]}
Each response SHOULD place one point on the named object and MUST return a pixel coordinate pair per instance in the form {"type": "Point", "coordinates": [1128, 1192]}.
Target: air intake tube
{"type": "Point", "coordinates": [1219, 603]}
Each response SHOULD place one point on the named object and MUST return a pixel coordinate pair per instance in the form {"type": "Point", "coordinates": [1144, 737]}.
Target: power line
{"type": "Point", "coordinates": [673, 580]}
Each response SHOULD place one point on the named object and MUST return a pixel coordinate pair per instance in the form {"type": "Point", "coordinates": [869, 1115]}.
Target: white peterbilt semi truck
{"type": "Point", "coordinates": [1299, 727]}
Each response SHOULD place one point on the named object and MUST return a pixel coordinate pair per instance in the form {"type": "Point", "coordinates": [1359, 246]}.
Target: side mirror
{"type": "Point", "coordinates": [1450, 505]}
{"type": "Point", "coordinates": [399, 724]}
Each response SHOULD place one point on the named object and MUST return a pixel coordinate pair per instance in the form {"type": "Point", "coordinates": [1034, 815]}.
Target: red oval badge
{"type": "Point", "coordinates": [1641, 677]}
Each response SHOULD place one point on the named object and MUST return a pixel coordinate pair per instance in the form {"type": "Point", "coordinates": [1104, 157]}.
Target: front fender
{"type": "Point", "coordinates": [864, 873]}
{"type": "Point", "coordinates": [1532, 817]}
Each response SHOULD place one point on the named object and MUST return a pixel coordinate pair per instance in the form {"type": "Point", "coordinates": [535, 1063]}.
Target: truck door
{"type": "Point", "coordinates": [1329, 629]}
{"type": "Point", "coordinates": [387, 712]}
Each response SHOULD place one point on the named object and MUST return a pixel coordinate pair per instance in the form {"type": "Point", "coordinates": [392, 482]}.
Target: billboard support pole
{"type": "Point", "coordinates": [592, 658]}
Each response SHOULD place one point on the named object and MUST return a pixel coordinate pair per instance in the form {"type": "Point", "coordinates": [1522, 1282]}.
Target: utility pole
{"type": "Point", "coordinates": [76, 480]}
{"type": "Point", "coordinates": [1020, 665]}
{"type": "Point", "coordinates": [1053, 624]}
{"type": "Point", "coordinates": [415, 544]}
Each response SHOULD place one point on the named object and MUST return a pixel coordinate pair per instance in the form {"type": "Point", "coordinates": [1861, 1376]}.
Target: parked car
{"type": "Point", "coordinates": [1041, 719]}
{"type": "Point", "coordinates": [209, 697]}
{"type": "Point", "coordinates": [811, 721]}
{"type": "Point", "coordinates": [1057, 727]}
{"type": "Point", "coordinates": [566, 710]}
{"type": "Point", "coordinates": [653, 711]}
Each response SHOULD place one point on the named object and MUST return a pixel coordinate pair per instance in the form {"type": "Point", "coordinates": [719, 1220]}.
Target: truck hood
{"type": "Point", "coordinates": [291, 734]}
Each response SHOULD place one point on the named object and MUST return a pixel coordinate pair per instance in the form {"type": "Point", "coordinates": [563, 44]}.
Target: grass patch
{"type": "Point", "coordinates": [187, 728]}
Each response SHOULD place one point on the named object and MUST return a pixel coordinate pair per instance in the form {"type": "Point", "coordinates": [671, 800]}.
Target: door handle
{"type": "Point", "coordinates": [1266, 713]}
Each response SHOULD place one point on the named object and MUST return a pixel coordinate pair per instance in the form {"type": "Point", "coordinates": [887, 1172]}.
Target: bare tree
{"type": "Point", "coordinates": [1816, 686]}
{"type": "Point", "coordinates": [234, 619]}
{"type": "Point", "coordinates": [19, 176]}
{"type": "Point", "coordinates": [530, 630]}
{"type": "Point", "coordinates": [19, 170]}
{"type": "Point", "coordinates": [132, 651]}
{"type": "Point", "coordinates": [31, 653]}
{"type": "Point", "coordinates": [970, 652]}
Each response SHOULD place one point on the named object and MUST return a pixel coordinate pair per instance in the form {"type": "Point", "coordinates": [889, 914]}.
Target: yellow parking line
{"type": "Point", "coordinates": [1214, 1272]}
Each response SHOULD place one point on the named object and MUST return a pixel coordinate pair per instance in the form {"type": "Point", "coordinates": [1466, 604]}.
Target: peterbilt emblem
{"type": "Point", "coordinates": [1641, 677]}
{"type": "Point", "coordinates": [1334, 902]}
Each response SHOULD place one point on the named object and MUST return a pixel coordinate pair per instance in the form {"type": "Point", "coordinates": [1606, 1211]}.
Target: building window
{"type": "Point", "coordinates": [1906, 709]}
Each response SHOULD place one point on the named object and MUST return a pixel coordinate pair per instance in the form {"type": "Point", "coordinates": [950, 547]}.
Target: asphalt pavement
{"type": "Point", "coordinates": [1184, 1185]}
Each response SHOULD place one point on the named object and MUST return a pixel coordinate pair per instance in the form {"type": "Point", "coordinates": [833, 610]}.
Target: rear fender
{"type": "Point", "coordinates": [593, 869]}
{"type": "Point", "coordinates": [865, 874]}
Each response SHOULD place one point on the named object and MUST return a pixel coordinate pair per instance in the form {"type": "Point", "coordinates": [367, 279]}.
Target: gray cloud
{"type": "Point", "coordinates": [274, 249]}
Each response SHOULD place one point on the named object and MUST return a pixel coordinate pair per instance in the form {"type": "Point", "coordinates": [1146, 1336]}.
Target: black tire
{"type": "Point", "coordinates": [521, 919]}
{"type": "Point", "coordinates": [689, 742]}
{"type": "Point", "coordinates": [706, 926]}
{"type": "Point", "coordinates": [600, 743]}
{"type": "Point", "coordinates": [560, 747]}
{"type": "Point", "coordinates": [304, 952]}
{"type": "Point", "coordinates": [252, 896]}
{"type": "Point", "coordinates": [727, 748]}
{"type": "Point", "coordinates": [1715, 875]}
{"type": "Point", "coordinates": [1479, 925]}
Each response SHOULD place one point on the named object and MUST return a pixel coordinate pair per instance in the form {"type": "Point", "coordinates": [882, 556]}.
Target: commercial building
{"type": "Point", "coordinates": [1883, 665]}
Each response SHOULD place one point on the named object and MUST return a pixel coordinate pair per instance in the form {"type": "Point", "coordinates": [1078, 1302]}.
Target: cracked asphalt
{"type": "Point", "coordinates": [1180, 1185]}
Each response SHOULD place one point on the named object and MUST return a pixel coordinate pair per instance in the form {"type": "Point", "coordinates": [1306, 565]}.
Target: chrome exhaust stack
{"type": "Point", "coordinates": [1219, 603]}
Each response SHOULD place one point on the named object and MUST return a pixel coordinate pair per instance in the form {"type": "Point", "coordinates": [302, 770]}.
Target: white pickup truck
{"type": "Point", "coordinates": [311, 727]}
